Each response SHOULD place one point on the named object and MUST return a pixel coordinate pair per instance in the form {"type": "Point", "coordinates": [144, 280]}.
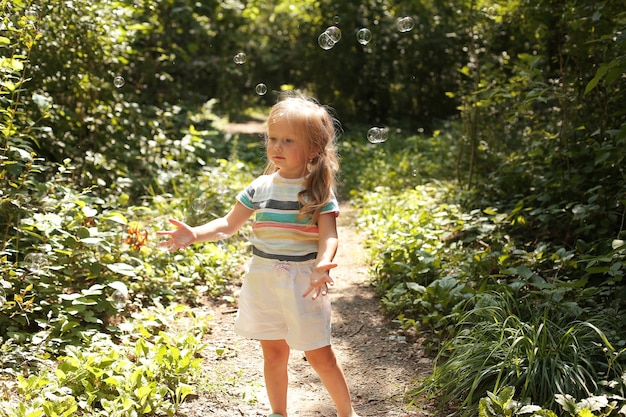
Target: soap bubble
{"type": "Point", "coordinates": [492, 12]}
{"type": "Point", "coordinates": [364, 36]}
{"type": "Point", "coordinates": [35, 262]}
{"type": "Point", "coordinates": [119, 81]}
{"type": "Point", "coordinates": [329, 37]}
{"type": "Point", "coordinates": [405, 24]}
{"type": "Point", "coordinates": [119, 299]}
{"type": "Point", "coordinates": [240, 58]}
{"type": "Point", "coordinates": [261, 89]}
{"type": "Point", "coordinates": [198, 204]}
{"type": "Point", "coordinates": [377, 134]}
{"type": "Point", "coordinates": [336, 20]}
{"type": "Point", "coordinates": [32, 15]}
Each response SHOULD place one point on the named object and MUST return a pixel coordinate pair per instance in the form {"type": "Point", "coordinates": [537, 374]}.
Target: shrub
{"type": "Point", "coordinates": [541, 354]}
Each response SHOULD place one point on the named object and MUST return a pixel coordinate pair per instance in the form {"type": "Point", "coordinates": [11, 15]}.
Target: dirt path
{"type": "Point", "coordinates": [380, 364]}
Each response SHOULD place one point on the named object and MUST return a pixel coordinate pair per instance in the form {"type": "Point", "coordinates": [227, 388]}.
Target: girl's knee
{"type": "Point", "coordinates": [322, 357]}
{"type": "Point", "coordinates": [275, 352]}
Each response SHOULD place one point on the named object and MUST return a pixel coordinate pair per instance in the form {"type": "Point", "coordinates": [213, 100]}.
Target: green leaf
{"type": "Point", "coordinates": [143, 392]}
{"type": "Point", "coordinates": [416, 287]}
{"type": "Point", "coordinates": [122, 268]}
{"type": "Point", "coordinates": [116, 217]}
{"type": "Point", "coordinates": [119, 286]}
{"type": "Point", "coordinates": [11, 63]}
{"type": "Point", "coordinates": [601, 73]}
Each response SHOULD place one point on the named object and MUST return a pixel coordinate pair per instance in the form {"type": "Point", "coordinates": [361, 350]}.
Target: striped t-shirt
{"type": "Point", "coordinates": [277, 232]}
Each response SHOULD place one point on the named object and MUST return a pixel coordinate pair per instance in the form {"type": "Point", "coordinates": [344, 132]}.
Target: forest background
{"type": "Point", "coordinates": [493, 204]}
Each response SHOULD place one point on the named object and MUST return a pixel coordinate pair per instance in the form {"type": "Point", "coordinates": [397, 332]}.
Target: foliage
{"type": "Point", "coordinates": [88, 263]}
{"type": "Point", "coordinates": [81, 202]}
{"type": "Point", "coordinates": [542, 353]}
{"type": "Point", "coordinates": [150, 373]}
{"type": "Point", "coordinates": [502, 404]}
{"type": "Point", "coordinates": [563, 175]}
{"type": "Point", "coordinates": [436, 267]}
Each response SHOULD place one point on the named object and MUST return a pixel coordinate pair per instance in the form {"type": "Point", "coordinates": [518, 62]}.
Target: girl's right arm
{"type": "Point", "coordinates": [217, 229]}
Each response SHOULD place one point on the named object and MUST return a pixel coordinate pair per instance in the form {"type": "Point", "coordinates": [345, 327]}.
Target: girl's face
{"type": "Point", "coordinates": [288, 151]}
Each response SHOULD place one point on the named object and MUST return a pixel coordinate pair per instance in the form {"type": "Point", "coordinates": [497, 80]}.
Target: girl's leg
{"type": "Point", "coordinates": [275, 359]}
{"type": "Point", "coordinates": [324, 362]}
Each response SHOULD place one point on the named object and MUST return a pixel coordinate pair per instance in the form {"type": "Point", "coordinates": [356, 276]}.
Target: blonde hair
{"type": "Point", "coordinates": [314, 123]}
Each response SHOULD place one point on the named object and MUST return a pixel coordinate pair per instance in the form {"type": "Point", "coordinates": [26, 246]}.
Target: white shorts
{"type": "Point", "coordinates": [271, 306]}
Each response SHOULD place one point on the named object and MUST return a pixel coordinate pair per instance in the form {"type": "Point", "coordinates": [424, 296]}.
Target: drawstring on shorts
{"type": "Point", "coordinates": [282, 268]}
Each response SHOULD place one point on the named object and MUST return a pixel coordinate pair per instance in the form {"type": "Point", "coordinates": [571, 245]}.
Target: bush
{"type": "Point", "coordinates": [539, 351]}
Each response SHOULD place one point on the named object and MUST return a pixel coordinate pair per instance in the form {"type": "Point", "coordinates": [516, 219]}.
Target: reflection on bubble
{"type": "Point", "coordinates": [405, 24]}
{"type": "Point", "coordinates": [364, 36]}
{"type": "Point", "coordinates": [334, 33]}
{"type": "Point", "coordinates": [261, 89]}
{"type": "Point", "coordinates": [240, 58]}
{"type": "Point", "coordinates": [377, 134]}
{"type": "Point", "coordinates": [198, 204]}
{"type": "Point", "coordinates": [119, 81]}
{"type": "Point", "coordinates": [36, 262]}
{"type": "Point", "coordinates": [325, 41]}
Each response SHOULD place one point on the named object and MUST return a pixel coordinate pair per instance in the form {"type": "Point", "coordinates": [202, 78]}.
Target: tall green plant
{"type": "Point", "coordinates": [545, 354]}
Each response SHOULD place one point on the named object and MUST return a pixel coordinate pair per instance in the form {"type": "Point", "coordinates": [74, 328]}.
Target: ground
{"type": "Point", "coordinates": [380, 363]}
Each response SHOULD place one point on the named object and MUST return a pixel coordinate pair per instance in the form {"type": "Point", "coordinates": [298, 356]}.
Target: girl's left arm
{"type": "Point", "coordinates": [327, 248]}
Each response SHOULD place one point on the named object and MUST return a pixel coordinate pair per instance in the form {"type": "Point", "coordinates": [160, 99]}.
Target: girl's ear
{"type": "Point", "coordinates": [313, 156]}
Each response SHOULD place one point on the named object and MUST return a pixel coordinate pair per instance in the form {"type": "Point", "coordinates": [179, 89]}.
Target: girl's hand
{"type": "Point", "coordinates": [180, 238]}
{"type": "Point", "coordinates": [320, 280]}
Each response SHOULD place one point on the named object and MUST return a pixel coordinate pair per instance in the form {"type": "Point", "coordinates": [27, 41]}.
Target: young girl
{"type": "Point", "coordinates": [294, 241]}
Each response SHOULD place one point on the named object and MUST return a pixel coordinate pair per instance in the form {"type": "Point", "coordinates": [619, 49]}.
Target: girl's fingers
{"type": "Point", "coordinates": [176, 223]}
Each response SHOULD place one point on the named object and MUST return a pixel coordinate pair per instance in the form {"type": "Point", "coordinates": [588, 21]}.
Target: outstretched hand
{"type": "Point", "coordinates": [180, 238]}
{"type": "Point", "coordinates": [320, 280]}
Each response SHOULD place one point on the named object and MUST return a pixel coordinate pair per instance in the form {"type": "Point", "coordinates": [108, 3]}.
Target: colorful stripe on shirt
{"type": "Point", "coordinates": [278, 232]}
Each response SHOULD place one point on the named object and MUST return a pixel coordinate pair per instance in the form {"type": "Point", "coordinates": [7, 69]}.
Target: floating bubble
{"type": "Point", "coordinates": [119, 299]}
{"type": "Point", "coordinates": [325, 41]}
{"type": "Point", "coordinates": [377, 134]}
{"type": "Point", "coordinates": [336, 20]}
{"type": "Point", "coordinates": [119, 81]}
{"type": "Point", "coordinates": [405, 24]}
{"type": "Point", "coordinates": [329, 37]}
{"type": "Point", "coordinates": [35, 262]}
{"type": "Point", "coordinates": [198, 204]}
{"type": "Point", "coordinates": [261, 89]}
{"type": "Point", "coordinates": [364, 36]}
{"type": "Point", "coordinates": [240, 58]}
{"type": "Point", "coordinates": [492, 12]}
{"type": "Point", "coordinates": [32, 15]}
